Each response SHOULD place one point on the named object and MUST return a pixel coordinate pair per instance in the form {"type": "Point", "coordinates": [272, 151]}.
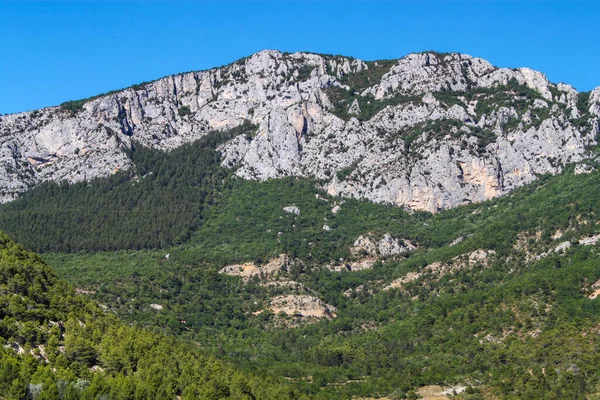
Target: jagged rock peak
{"type": "Point", "coordinates": [431, 72]}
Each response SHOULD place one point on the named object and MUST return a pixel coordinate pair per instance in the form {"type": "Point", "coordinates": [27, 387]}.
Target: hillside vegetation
{"type": "Point", "coordinates": [520, 322]}
{"type": "Point", "coordinates": [60, 345]}
{"type": "Point", "coordinates": [496, 297]}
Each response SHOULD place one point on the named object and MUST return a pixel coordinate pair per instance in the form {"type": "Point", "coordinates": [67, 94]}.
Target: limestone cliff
{"type": "Point", "coordinates": [428, 131]}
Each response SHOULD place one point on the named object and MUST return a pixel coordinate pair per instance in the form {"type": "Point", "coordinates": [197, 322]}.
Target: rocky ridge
{"type": "Point", "coordinates": [428, 131]}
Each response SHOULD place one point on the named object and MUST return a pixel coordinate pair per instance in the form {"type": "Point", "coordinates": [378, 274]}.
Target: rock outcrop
{"type": "Point", "coordinates": [438, 270]}
{"type": "Point", "coordinates": [385, 247]}
{"type": "Point", "coordinates": [249, 270]}
{"type": "Point", "coordinates": [429, 131]}
{"type": "Point", "coordinates": [302, 305]}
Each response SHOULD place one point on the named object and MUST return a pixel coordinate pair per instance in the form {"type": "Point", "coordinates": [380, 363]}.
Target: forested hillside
{"type": "Point", "coordinates": [57, 344]}
{"type": "Point", "coordinates": [498, 297]}
{"type": "Point", "coordinates": [157, 203]}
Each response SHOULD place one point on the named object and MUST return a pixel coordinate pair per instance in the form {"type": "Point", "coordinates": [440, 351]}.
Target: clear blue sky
{"type": "Point", "coordinates": [51, 52]}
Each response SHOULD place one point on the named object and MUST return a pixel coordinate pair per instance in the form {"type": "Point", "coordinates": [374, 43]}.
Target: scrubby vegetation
{"type": "Point", "coordinates": [184, 110]}
{"type": "Point", "coordinates": [488, 100]}
{"type": "Point", "coordinates": [342, 99]}
{"type": "Point", "coordinates": [60, 345]}
{"type": "Point", "coordinates": [366, 78]}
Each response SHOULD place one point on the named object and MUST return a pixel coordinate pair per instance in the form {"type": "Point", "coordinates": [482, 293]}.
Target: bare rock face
{"type": "Point", "coordinates": [429, 131]}
{"type": "Point", "coordinates": [594, 102]}
{"type": "Point", "coordinates": [302, 305]}
{"type": "Point", "coordinates": [385, 247]}
{"type": "Point", "coordinates": [249, 270]}
{"type": "Point", "coordinates": [292, 210]}
{"type": "Point", "coordinates": [428, 72]}
{"type": "Point", "coordinates": [390, 246]}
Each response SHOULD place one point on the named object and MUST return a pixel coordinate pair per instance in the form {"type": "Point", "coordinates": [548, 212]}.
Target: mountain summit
{"type": "Point", "coordinates": [428, 131]}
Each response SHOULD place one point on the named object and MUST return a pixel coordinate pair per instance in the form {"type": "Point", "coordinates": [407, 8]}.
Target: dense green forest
{"type": "Point", "coordinates": [513, 327]}
{"type": "Point", "coordinates": [61, 345]}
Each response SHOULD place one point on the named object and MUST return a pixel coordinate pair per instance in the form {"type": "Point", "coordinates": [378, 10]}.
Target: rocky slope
{"type": "Point", "coordinates": [428, 131]}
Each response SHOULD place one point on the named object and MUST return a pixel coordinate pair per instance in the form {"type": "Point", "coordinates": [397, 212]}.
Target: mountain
{"type": "Point", "coordinates": [428, 131]}
{"type": "Point", "coordinates": [425, 227]}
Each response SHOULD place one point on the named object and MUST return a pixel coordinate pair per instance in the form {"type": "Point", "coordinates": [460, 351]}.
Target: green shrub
{"type": "Point", "coordinates": [184, 110]}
